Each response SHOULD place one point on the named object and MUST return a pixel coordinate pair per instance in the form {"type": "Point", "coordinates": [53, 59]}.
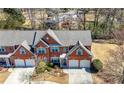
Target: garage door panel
{"type": "Point", "coordinates": [85, 63]}
{"type": "Point", "coordinates": [30, 62]}
{"type": "Point", "coordinates": [73, 63]}
{"type": "Point", "coordinates": [19, 63]}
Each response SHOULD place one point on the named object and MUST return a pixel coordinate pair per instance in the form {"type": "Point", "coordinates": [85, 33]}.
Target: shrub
{"type": "Point", "coordinates": [42, 67]}
{"type": "Point", "coordinates": [48, 68]}
{"type": "Point", "coordinates": [97, 64]}
{"type": "Point", "coordinates": [49, 64]}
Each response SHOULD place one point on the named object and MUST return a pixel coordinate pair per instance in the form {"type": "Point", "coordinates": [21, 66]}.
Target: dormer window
{"type": "Point", "coordinates": [22, 51]}
{"type": "Point", "coordinates": [2, 49]}
{"type": "Point", "coordinates": [79, 52]}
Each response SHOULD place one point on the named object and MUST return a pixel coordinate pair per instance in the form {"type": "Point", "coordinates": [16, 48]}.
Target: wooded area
{"type": "Point", "coordinates": [102, 22]}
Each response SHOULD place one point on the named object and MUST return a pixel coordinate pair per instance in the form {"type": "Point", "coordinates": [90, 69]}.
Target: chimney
{"type": "Point", "coordinates": [34, 39]}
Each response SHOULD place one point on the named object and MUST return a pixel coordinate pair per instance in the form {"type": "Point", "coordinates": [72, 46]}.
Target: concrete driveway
{"type": "Point", "coordinates": [19, 76]}
{"type": "Point", "coordinates": [79, 76]}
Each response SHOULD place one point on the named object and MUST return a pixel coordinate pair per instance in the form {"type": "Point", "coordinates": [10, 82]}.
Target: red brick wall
{"type": "Point", "coordinates": [17, 54]}
{"type": "Point", "coordinates": [50, 54]}
{"type": "Point", "coordinates": [73, 56]}
{"type": "Point", "coordinates": [41, 56]}
{"type": "Point", "coordinates": [8, 49]}
{"type": "Point", "coordinates": [40, 44]}
{"type": "Point", "coordinates": [50, 40]}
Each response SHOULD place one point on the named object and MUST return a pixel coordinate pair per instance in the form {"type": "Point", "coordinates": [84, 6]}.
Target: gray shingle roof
{"type": "Point", "coordinates": [71, 37]}
{"type": "Point", "coordinates": [16, 37]}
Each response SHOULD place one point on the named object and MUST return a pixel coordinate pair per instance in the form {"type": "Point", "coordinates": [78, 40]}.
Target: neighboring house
{"type": "Point", "coordinates": [64, 21]}
{"type": "Point", "coordinates": [63, 48]}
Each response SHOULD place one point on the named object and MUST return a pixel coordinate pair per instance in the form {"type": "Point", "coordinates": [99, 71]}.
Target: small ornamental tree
{"type": "Point", "coordinates": [42, 67]}
{"type": "Point", "coordinates": [97, 64]}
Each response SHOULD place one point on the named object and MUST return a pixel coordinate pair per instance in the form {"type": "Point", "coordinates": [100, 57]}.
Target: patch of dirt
{"type": "Point", "coordinates": [4, 76]}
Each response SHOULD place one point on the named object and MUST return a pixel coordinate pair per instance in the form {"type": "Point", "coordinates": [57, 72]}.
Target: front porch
{"type": "Point", "coordinates": [5, 60]}
{"type": "Point", "coordinates": [63, 61]}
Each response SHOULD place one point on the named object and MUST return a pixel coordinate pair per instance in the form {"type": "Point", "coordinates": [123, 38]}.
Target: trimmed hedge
{"type": "Point", "coordinates": [97, 64]}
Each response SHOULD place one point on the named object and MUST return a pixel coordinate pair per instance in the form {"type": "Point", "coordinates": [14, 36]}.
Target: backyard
{"type": "Point", "coordinates": [101, 51]}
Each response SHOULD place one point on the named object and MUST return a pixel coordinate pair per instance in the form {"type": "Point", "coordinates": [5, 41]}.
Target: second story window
{"type": "Point", "coordinates": [54, 49]}
{"type": "Point", "coordinates": [22, 51]}
{"type": "Point", "coordinates": [79, 52]}
{"type": "Point", "coordinates": [2, 49]}
{"type": "Point", "coordinates": [41, 51]}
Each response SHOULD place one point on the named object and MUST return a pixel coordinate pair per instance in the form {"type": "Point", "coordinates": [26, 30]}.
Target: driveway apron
{"type": "Point", "coordinates": [79, 76]}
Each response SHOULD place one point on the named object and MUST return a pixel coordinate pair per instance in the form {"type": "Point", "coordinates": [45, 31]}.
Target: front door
{"type": "Point", "coordinates": [63, 63]}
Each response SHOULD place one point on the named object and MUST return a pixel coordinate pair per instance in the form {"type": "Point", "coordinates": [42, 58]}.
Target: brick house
{"type": "Point", "coordinates": [63, 48]}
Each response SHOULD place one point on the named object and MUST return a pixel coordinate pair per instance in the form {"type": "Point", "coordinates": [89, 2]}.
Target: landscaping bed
{"type": "Point", "coordinates": [49, 72]}
{"type": "Point", "coordinates": [51, 76]}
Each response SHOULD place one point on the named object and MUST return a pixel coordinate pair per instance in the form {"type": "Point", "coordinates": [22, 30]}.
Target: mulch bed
{"type": "Point", "coordinates": [51, 76]}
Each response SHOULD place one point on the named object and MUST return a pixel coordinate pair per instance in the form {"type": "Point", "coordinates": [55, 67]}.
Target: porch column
{"type": "Point", "coordinates": [7, 61]}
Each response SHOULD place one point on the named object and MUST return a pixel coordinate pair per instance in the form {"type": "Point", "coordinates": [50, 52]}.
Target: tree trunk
{"type": "Point", "coordinates": [96, 19]}
{"type": "Point", "coordinates": [112, 21]}
{"type": "Point", "coordinates": [31, 17]}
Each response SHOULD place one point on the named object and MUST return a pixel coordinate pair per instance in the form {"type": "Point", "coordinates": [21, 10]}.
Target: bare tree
{"type": "Point", "coordinates": [96, 18]}
{"type": "Point", "coordinates": [31, 17]}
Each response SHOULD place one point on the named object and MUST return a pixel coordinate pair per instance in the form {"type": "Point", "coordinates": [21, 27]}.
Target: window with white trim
{"type": "Point", "coordinates": [54, 49]}
{"type": "Point", "coordinates": [2, 49]}
{"type": "Point", "coordinates": [22, 51]}
{"type": "Point", "coordinates": [79, 52]}
{"type": "Point", "coordinates": [41, 50]}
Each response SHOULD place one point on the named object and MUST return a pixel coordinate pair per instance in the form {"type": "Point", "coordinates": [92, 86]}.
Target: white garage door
{"type": "Point", "coordinates": [19, 63]}
{"type": "Point", "coordinates": [73, 63]}
{"type": "Point", "coordinates": [85, 63]}
{"type": "Point", "coordinates": [30, 62]}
